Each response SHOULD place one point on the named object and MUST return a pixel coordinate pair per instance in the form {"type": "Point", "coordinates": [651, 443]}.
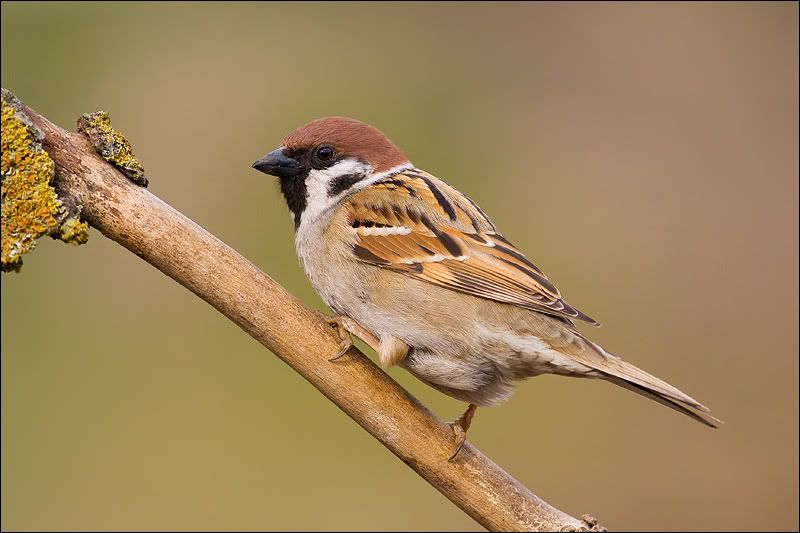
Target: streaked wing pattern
{"type": "Point", "coordinates": [432, 232]}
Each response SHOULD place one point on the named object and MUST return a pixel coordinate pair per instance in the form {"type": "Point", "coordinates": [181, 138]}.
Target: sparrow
{"type": "Point", "coordinates": [419, 272]}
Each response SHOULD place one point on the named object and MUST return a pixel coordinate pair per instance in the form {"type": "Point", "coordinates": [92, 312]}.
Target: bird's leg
{"type": "Point", "coordinates": [344, 327]}
{"type": "Point", "coordinates": [460, 427]}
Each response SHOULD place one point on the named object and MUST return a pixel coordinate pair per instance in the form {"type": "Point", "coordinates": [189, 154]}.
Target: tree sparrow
{"type": "Point", "coordinates": [419, 272]}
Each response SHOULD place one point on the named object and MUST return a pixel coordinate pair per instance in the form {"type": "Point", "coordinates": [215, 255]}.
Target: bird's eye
{"type": "Point", "coordinates": [324, 153]}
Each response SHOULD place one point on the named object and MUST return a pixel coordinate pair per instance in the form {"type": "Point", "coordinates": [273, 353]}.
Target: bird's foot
{"type": "Point", "coordinates": [338, 322]}
{"type": "Point", "coordinates": [344, 327]}
{"type": "Point", "coordinates": [460, 426]}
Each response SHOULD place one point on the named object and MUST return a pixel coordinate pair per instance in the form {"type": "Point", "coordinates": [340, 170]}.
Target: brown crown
{"type": "Point", "coordinates": [349, 137]}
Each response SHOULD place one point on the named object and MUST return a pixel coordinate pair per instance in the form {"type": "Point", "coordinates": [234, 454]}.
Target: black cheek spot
{"type": "Point", "coordinates": [343, 183]}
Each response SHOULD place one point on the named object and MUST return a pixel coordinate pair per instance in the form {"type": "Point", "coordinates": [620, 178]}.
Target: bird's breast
{"type": "Point", "coordinates": [329, 266]}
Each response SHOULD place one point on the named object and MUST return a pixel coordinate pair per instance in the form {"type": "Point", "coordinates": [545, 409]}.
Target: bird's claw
{"type": "Point", "coordinates": [460, 427]}
{"type": "Point", "coordinates": [344, 335]}
{"type": "Point", "coordinates": [460, 439]}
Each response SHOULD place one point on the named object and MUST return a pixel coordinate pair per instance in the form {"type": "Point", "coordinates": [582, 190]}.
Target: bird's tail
{"type": "Point", "coordinates": [637, 380]}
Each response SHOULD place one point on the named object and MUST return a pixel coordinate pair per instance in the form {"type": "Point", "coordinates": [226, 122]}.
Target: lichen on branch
{"type": "Point", "coordinates": [111, 145]}
{"type": "Point", "coordinates": [30, 206]}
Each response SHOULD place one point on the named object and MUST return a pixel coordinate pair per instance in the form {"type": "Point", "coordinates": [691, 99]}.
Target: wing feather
{"type": "Point", "coordinates": [430, 231]}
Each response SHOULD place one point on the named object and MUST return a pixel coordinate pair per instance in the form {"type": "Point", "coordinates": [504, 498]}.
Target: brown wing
{"type": "Point", "coordinates": [432, 232]}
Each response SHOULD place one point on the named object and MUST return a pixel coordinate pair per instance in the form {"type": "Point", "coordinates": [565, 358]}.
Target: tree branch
{"type": "Point", "coordinates": [181, 249]}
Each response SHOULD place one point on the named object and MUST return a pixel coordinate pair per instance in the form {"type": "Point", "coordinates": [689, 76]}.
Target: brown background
{"type": "Point", "coordinates": [645, 156]}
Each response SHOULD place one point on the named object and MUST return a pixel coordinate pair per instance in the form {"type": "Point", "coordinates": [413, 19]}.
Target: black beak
{"type": "Point", "coordinates": [277, 163]}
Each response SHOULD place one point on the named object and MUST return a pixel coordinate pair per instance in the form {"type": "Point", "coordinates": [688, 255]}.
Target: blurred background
{"type": "Point", "coordinates": [644, 155]}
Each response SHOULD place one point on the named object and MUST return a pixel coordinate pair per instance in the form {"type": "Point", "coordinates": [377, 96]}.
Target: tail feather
{"type": "Point", "coordinates": [689, 410]}
{"type": "Point", "coordinates": [633, 378]}
{"type": "Point", "coordinates": [635, 375]}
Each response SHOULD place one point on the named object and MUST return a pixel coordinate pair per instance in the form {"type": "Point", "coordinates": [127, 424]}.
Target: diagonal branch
{"type": "Point", "coordinates": [181, 249]}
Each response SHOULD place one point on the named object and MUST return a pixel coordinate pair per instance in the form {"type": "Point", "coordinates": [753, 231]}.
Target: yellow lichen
{"type": "Point", "coordinates": [111, 145]}
{"type": "Point", "coordinates": [74, 231]}
{"type": "Point", "coordinates": [30, 206]}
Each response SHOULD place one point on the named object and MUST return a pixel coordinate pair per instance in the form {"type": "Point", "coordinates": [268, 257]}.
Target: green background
{"type": "Point", "coordinates": [644, 155]}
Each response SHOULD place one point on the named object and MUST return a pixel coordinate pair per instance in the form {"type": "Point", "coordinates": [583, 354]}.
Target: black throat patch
{"type": "Point", "coordinates": [296, 195]}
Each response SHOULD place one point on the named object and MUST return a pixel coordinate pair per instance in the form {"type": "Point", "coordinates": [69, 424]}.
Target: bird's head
{"type": "Point", "coordinates": [321, 162]}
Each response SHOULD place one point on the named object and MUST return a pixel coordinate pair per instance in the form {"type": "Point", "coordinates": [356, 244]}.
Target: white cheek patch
{"type": "Point", "coordinates": [318, 181]}
{"type": "Point", "coordinates": [318, 199]}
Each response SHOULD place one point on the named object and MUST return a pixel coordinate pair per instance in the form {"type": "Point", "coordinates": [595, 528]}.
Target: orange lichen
{"type": "Point", "coordinates": [30, 206]}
